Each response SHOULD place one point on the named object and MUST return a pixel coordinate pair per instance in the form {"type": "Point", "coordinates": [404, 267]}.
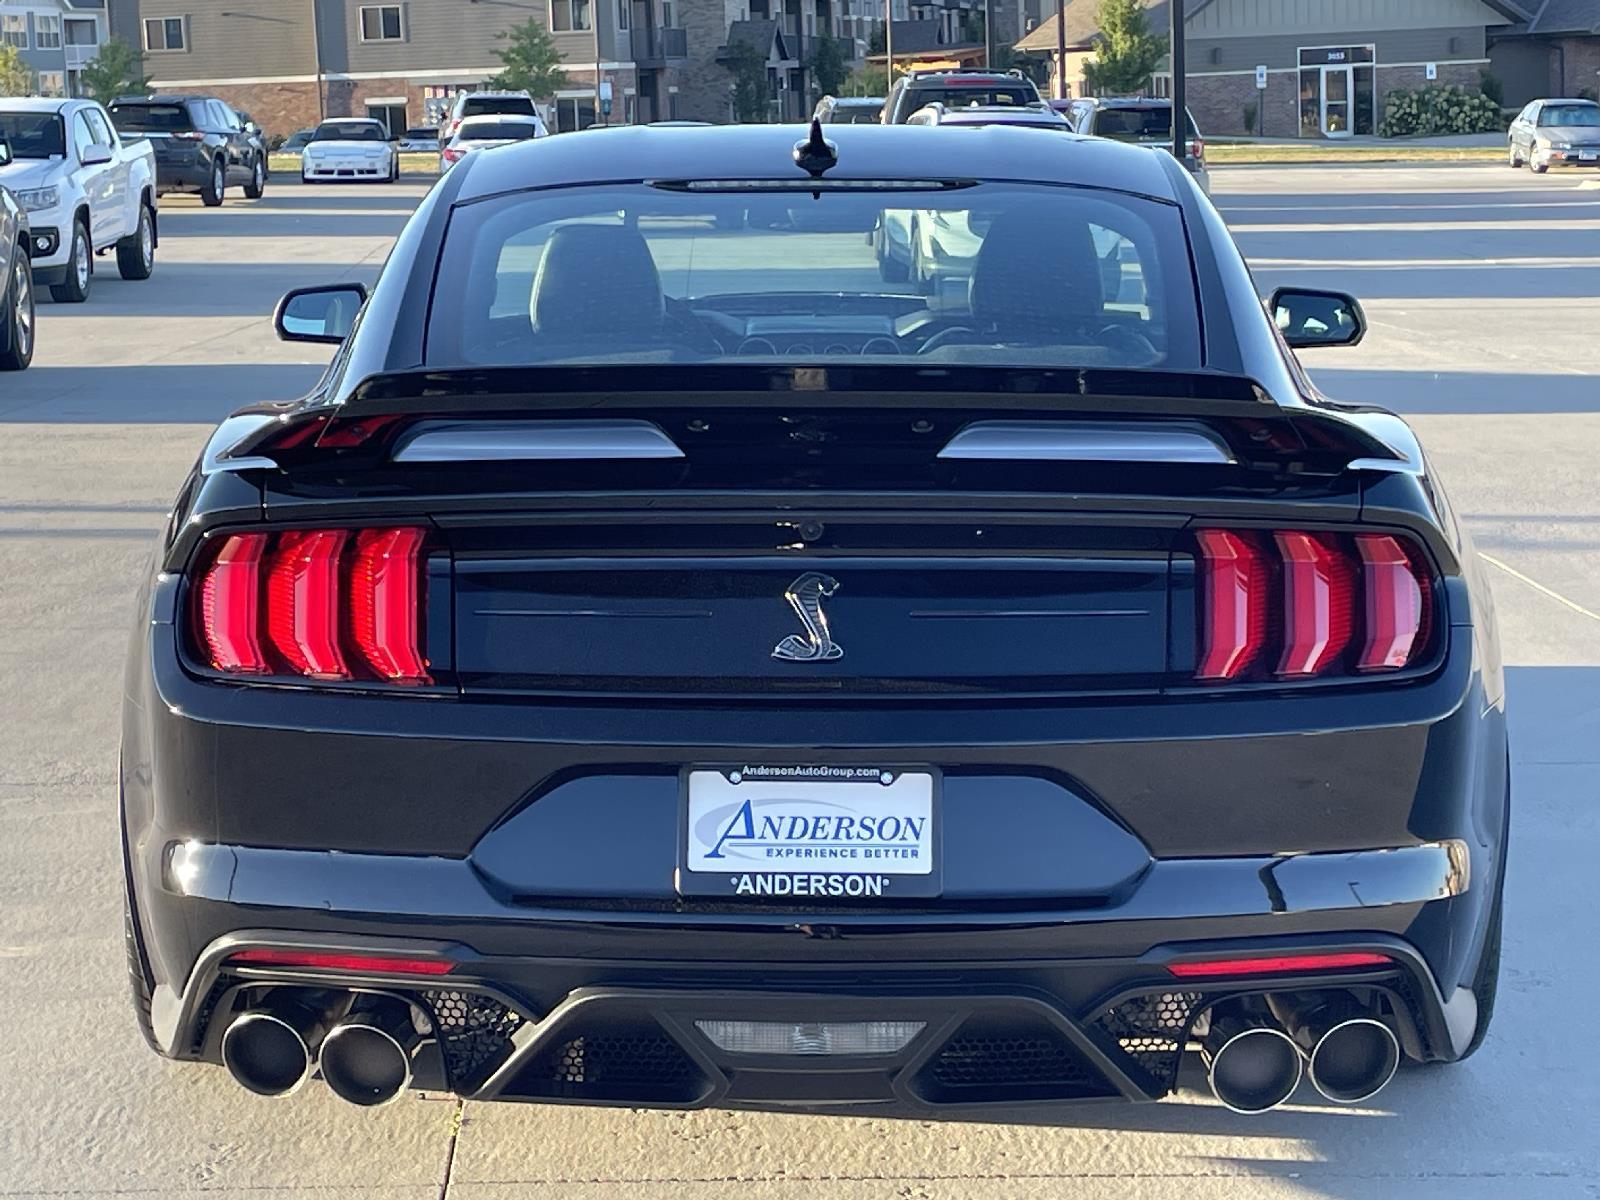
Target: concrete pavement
{"type": "Point", "coordinates": [1483, 289]}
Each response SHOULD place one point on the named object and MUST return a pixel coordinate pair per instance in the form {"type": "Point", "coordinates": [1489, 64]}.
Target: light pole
{"type": "Point", "coordinates": [594, 23]}
{"type": "Point", "coordinates": [1061, 49]}
{"type": "Point", "coordinates": [316, 50]}
{"type": "Point", "coordinates": [988, 33]}
{"type": "Point", "coordinates": [1180, 111]}
{"type": "Point", "coordinates": [888, 46]}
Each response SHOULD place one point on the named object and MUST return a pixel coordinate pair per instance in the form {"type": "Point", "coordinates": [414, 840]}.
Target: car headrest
{"type": "Point", "coordinates": [1036, 274]}
{"type": "Point", "coordinates": [593, 278]}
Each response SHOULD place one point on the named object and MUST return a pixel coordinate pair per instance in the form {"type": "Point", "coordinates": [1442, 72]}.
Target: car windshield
{"type": "Point", "coordinates": [150, 118]}
{"type": "Point", "coordinates": [490, 131]}
{"type": "Point", "coordinates": [997, 273]}
{"type": "Point", "coordinates": [1567, 115]}
{"type": "Point", "coordinates": [350, 131]}
{"type": "Point", "coordinates": [477, 105]}
{"type": "Point", "coordinates": [1137, 123]}
{"type": "Point", "coordinates": [33, 135]}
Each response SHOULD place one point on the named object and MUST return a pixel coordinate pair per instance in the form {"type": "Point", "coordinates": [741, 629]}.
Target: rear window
{"type": "Point", "coordinates": [368, 131]}
{"type": "Point", "coordinates": [151, 118]}
{"type": "Point", "coordinates": [33, 135]}
{"type": "Point", "coordinates": [477, 105]}
{"type": "Point", "coordinates": [1136, 123]}
{"type": "Point", "coordinates": [960, 96]}
{"type": "Point", "coordinates": [422, 133]}
{"type": "Point", "coordinates": [993, 273]}
{"type": "Point", "coordinates": [855, 114]}
{"type": "Point", "coordinates": [492, 131]}
{"type": "Point", "coordinates": [1569, 114]}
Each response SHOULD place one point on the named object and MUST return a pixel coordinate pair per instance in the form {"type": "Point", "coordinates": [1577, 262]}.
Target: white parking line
{"type": "Point", "coordinates": [1539, 587]}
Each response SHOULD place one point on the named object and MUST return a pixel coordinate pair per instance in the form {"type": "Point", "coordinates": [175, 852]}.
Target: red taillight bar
{"type": "Point", "coordinates": [1285, 964]}
{"type": "Point", "coordinates": [1394, 603]}
{"type": "Point", "coordinates": [1318, 593]}
{"type": "Point", "coordinates": [360, 964]}
{"type": "Point", "coordinates": [327, 604]}
{"type": "Point", "coordinates": [1234, 603]}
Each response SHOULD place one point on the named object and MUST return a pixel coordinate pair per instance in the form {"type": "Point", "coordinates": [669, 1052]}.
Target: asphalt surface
{"type": "Point", "coordinates": [1483, 287]}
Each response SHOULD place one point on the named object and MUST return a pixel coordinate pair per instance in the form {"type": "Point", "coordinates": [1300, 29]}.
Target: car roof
{"type": "Point", "coordinates": [875, 101]}
{"type": "Point", "coordinates": [491, 94]}
{"type": "Point", "coordinates": [349, 121]}
{"type": "Point", "coordinates": [1127, 101]}
{"type": "Point", "coordinates": [162, 98]}
{"type": "Point", "coordinates": [35, 103]}
{"type": "Point", "coordinates": [1011, 114]}
{"type": "Point", "coordinates": [497, 119]}
{"type": "Point", "coordinates": [638, 152]}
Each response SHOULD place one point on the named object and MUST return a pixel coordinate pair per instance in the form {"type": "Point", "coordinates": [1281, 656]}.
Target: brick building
{"type": "Point", "coordinates": [289, 62]}
{"type": "Point", "coordinates": [1552, 50]}
{"type": "Point", "coordinates": [1316, 68]}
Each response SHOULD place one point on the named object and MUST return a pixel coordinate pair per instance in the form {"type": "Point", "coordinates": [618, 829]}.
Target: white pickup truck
{"type": "Point", "coordinates": [87, 192]}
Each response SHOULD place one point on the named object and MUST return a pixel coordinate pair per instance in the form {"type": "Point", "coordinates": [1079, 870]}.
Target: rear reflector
{"type": "Point", "coordinates": [1293, 604]}
{"type": "Point", "coordinates": [327, 604]}
{"type": "Point", "coordinates": [1288, 964]}
{"type": "Point", "coordinates": [360, 964]}
{"type": "Point", "coordinates": [811, 1037]}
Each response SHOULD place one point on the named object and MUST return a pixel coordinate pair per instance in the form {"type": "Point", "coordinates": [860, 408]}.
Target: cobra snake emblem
{"type": "Point", "coordinates": [805, 596]}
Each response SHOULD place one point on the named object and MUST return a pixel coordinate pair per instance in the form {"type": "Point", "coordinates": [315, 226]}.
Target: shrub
{"type": "Point", "coordinates": [1438, 109]}
{"type": "Point", "coordinates": [1249, 115]}
{"type": "Point", "coordinates": [1489, 84]}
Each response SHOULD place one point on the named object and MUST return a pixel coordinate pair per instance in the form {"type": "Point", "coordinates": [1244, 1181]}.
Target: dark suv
{"type": "Point", "coordinates": [957, 89]}
{"type": "Point", "coordinates": [202, 145]}
{"type": "Point", "coordinates": [1143, 120]}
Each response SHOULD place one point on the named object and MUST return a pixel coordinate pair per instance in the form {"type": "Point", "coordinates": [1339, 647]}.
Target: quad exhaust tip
{"type": "Point", "coordinates": [269, 1053]}
{"type": "Point", "coordinates": [1253, 1068]}
{"type": "Point", "coordinates": [1354, 1060]}
{"type": "Point", "coordinates": [366, 1058]}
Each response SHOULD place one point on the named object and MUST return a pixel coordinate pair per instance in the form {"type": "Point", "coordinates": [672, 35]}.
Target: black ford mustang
{"type": "Point", "coordinates": [665, 663]}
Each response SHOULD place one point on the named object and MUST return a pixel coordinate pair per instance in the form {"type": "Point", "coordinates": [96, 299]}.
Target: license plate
{"type": "Point", "coordinates": [809, 833]}
{"type": "Point", "coordinates": [1589, 155]}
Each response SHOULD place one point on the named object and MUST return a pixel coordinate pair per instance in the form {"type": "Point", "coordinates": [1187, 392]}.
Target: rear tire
{"type": "Point", "coordinates": [217, 186]}
{"type": "Point", "coordinates": [136, 253]}
{"type": "Point", "coordinates": [75, 289]}
{"type": "Point", "coordinates": [258, 180]}
{"type": "Point", "coordinates": [18, 315]}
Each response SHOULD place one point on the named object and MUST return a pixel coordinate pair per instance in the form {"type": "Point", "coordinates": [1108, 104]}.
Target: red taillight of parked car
{"type": "Point", "coordinates": [1197, 150]}
{"type": "Point", "coordinates": [1295, 604]}
{"type": "Point", "coordinates": [324, 604]}
{"type": "Point", "coordinates": [451, 154]}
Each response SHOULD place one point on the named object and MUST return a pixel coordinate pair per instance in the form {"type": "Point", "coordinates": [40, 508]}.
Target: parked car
{"type": "Point", "coordinates": [350, 148]}
{"type": "Point", "coordinates": [1144, 121]}
{"type": "Point", "coordinates": [1555, 133]}
{"type": "Point", "coordinates": [298, 140]}
{"type": "Point", "coordinates": [849, 110]}
{"type": "Point", "coordinates": [420, 139]}
{"type": "Point", "coordinates": [86, 190]}
{"type": "Point", "coordinates": [201, 144]}
{"type": "Point", "coordinates": [494, 129]}
{"type": "Point", "coordinates": [482, 104]}
{"type": "Point", "coordinates": [917, 89]}
{"type": "Point", "coordinates": [661, 667]}
{"type": "Point", "coordinates": [1025, 116]}
{"type": "Point", "coordinates": [16, 279]}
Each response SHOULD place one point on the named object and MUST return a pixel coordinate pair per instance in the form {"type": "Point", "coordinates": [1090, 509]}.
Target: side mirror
{"type": "Point", "coordinates": [319, 314]}
{"type": "Point", "coordinates": [96, 155]}
{"type": "Point", "coordinates": [1308, 317]}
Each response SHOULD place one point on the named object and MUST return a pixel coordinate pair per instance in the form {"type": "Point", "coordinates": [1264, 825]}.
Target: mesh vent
{"type": "Point", "coordinates": [995, 1059]}
{"type": "Point", "coordinates": [641, 1059]}
{"type": "Point", "coordinates": [474, 1034]}
{"type": "Point", "coordinates": [1152, 1030]}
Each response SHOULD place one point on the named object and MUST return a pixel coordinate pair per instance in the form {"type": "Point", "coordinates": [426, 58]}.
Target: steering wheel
{"type": "Point", "coordinates": [956, 335]}
{"type": "Point", "coordinates": [1120, 337]}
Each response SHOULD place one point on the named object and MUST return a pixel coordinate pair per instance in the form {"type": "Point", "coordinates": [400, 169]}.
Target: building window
{"type": "Point", "coordinates": [622, 13]}
{"type": "Point", "coordinates": [166, 33]}
{"type": "Point", "coordinates": [46, 32]}
{"type": "Point", "coordinates": [15, 28]}
{"type": "Point", "coordinates": [82, 33]}
{"type": "Point", "coordinates": [381, 23]}
{"type": "Point", "coordinates": [569, 15]}
{"type": "Point", "coordinates": [52, 83]}
{"type": "Point", "coordinates": [574, 113]}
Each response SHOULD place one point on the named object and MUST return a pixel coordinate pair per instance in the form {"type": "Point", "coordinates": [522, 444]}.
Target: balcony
{"type": "Point", "coordinates": [655, 46]}
{"type": "Point", "coordinates": [79, 57]}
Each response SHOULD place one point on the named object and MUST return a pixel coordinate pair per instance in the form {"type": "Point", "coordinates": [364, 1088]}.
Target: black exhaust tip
{"type": "Point", "coordinates": [269, 1053]}
{"type": "Point", "coordinates": [1252, 1068]}
{"type": "Point", "coordinates": [366, 1058]}
{"type": "Point", "coordinates": [1354, 1060]}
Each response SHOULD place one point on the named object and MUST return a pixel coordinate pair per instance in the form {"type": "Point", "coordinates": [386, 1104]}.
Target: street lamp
{"type": "Point", "coordinates": [1180, 110]}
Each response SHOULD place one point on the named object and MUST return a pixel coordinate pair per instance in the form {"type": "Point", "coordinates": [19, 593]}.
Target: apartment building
{"type": "Point", "coordinates": [56, 39]}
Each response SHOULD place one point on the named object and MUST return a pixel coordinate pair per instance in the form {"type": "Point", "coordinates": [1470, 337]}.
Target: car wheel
{"type": "Point", "coordinates": [75, 290]}
{"type": "Point", "coordinates": [136, 253]}
{"type": "Point", "coordinates": [211, 195]}
{"type": "Point", "coordinates": [890, 268]}
{"type": "Point", "coordinates": [258, 180]}
{"type": "Point", "coordinates": [1512, 160]}
{"type": "Point", "coordinates": [921, 277]}
{"type": "Point", "coordinates": [18, 315]}
{"type": "Point", "coordinates": [394, 170]}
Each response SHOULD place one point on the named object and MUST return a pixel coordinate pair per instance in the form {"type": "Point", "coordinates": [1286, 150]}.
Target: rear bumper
{"type": "Point", "coordinates": [182, 177]}
{"type": "Point", "coordinates": [630, 1030]}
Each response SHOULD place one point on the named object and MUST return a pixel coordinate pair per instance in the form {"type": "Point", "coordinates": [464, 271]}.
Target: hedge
{"type": "Point", "coordinates": [1438, 109]}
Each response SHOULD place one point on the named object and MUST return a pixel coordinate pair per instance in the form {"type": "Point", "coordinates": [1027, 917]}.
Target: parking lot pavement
{"type": "Point", "coordinates": [1483, 292]}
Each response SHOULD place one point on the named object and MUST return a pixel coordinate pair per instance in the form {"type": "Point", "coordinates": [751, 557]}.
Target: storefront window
{"type": "Point", "coordinates": [1364, 109]}
{"type": "Point", "coordinates": [1310, 103]}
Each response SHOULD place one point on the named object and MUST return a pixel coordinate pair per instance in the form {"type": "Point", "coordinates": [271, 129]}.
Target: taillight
{"type": "Point", "coordinates": [1197, 150]}
{"type": "Point", "coordinates": [327, 604]}
{"type": "Point", "coordinates": [1292, 604]}
{"type": "Point", "coordinates": [187, 135]}
{"type": "Point", "coordinates": [451, 154]}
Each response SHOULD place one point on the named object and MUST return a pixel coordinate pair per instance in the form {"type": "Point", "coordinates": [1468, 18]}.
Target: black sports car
{"type": "Point", "coordinates": [663, 664]}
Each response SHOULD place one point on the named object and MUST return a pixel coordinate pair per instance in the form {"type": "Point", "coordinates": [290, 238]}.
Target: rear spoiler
{"type": "Point", "coordinates": [665, 411]}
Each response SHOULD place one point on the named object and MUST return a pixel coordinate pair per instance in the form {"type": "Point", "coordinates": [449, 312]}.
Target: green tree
{"type": "Point", "coordinates": [531, 63]}
{"type": "Point", "coordinates": [748, 66]}
{"type": "Point", "coordinates": [867, 80]}
{"type": "Point", "coordinates": [118, 70]}
{"type": "Point", "coordinates": [1127, 52]}
{"type": "Point", "coordinates": [16, 79]}
{"type": "Point", "coordinates": [828, 65]}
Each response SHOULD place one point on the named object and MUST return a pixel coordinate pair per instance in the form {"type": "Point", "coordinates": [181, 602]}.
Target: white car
{"type": "Point", "coordinates": [492, 129]}
{"type": "Point", "coordinates": [349, 148]}
{"type": "Point", "coordinates": [86, 191]}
